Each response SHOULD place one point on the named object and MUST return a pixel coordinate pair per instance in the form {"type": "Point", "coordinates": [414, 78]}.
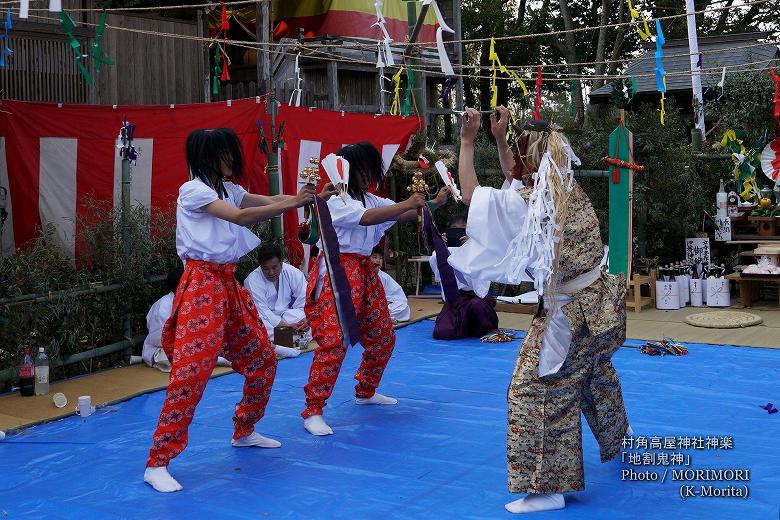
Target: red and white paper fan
{"type": "Point", "coordinates": [770, 160]}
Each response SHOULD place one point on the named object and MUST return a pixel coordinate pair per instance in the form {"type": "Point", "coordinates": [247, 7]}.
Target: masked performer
{"type": "Point", "coordinates": [548, 233]}
{"type": "Point", "coordinates": [211, 313]}
{"type": "Point", "coordinates": [360, 219]}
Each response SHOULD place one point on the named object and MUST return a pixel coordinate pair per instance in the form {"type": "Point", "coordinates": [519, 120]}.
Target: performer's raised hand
{"type": "Point", "coordinates": [442, 197]}
{"type": "Point", "coordinates": [469, 126]}
{"type": "Point", "coordinates": [415, 201]}
{"type": "Point", "coordinates": [305, 195]}
{"type": "Point", "coordinates": [328, 191]}
{"type": "Point", "coordinates": [498, 126]}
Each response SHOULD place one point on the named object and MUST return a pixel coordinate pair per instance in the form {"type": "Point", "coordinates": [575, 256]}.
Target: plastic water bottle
{"type": "Point", "coordinates": [27, 375]}
{"type": "Point", "coordinates": [41, 373]}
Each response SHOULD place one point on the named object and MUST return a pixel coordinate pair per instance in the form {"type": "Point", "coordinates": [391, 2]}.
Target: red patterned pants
{"type": "Point", "coordinates": [212, 315]}
{"type": "Point", "coordinates": [376, 333]}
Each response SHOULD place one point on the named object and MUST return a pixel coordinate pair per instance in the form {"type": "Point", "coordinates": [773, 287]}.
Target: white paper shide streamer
{"type": "Point", "coordinates": [337, 169]}
{"type": "Point", "coordinates": [385, 56]}
{"type": "Point", "coordinates": [295, 97]}
{"type": "Point", "coordinates": [533, 250]}
{"type": "Point", "coordinates": [55, 6]}
{"type": "Point", "coordinates": [449, 182]}
{"type": "Point", "coordinates": [444, 59]}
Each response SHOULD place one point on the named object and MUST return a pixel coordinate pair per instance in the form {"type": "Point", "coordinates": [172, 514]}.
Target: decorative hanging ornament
{"type": "Point", "coordinates": [99, 56]}
{"type": "Point", "coordinates": [5, 49]}
{"type": "Point", "coordinates": [386, 52]}
{"type": "Point", "coordinates": [495, 66]}
{"type": "Point", "coordinates": [217, 71]}
{"type": "Point", "coordinates": [225, 73]}
{"type": "Point", "coordinates": [538, 99]}
{"type": "Point", "coordinates": [660, 73]}
{"type": "Point", "coordinates": [776, 111]}
{"type": "Point", "coordinates": [635, 19]}
{"type": "Point", "coordinates": [225, 23]}
{"type": "Point", "coordinates": [68, 26]}
{"type": "Point", "coordinates": [572, 93]}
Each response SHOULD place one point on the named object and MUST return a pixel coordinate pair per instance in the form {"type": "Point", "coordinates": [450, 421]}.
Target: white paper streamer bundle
{"type": "Point", "coordinates": [533, 250]}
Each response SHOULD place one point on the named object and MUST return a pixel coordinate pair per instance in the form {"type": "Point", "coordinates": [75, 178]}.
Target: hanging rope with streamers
{"type": "Point", "coordinates": [407, 108]}
{"type": "Point", "coordinates": [660, 73]}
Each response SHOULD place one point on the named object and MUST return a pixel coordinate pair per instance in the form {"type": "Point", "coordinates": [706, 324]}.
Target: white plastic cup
{"type": "Point", "coordinates": [84, 407]}
{"type": "Point", "coordinates": [59, 400]}
{"type": "Point", "coordinates": [667, 295]}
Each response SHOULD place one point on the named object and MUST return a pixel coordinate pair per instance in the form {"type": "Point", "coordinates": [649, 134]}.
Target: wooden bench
{"type": "Point", "coordinates": [749, 288]}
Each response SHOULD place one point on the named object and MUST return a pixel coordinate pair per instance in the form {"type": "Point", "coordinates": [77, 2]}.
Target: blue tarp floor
{"type": "Point", "coordinates": [440, 453]}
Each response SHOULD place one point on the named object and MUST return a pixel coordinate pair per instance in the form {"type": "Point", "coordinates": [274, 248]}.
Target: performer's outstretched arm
{"type": "Point", "coordinates": [467, 175]}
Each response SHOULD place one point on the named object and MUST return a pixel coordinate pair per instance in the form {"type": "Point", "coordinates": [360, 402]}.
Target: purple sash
{"type": "Point", "coordinates": [342, 293]}
{"type": "Point", "coordinates": [446, 273]}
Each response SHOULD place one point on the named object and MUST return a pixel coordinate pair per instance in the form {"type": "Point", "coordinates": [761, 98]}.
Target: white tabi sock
{"type": "Point", "coordinates": [629, 431]}
{"type": "Point", "coordinates": [161, 480]}
{"type": "Point", "coordinates": [255, 439]}
{"type": "Point", "coordinates": [537, 502]}
{"type": "Point", "coordinates": [222, 362]}
{"type": "Point", "coordinates": [286, 352]}
{"type": "Point", "coordinates": [376, 399]}
{"type": "Point", "coordinates": [316, 425]}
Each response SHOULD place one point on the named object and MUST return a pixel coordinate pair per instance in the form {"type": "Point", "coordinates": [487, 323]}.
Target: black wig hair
{"type": "Point", "coordinates": [378, 251]}
{"type": "Point", "coordinates": [207, 150]}
{"type": "Point", "coordinates": [460, 218]}
{"type": "Point", "coordinates": [173, 278]}
{"type": "Point", "coordinates": [364, 161]}
{"type": "Point", "coordinates": [268, 251]}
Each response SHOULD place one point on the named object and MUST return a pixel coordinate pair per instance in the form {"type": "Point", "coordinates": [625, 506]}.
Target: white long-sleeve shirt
{"type": "Point", "coordinates": [277, 302]}
{"type": "Point", "coordinates": [396, 298]}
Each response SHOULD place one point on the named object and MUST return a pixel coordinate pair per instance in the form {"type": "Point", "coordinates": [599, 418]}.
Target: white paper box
{"type": "Point", "coordinates": [685, 292]}
{"type": "Point", "coordinates": [696, 292]}
{"type": "Point", "coordinates": [667, 295]}
{"type": "Point", "coordinates": [718, 292]}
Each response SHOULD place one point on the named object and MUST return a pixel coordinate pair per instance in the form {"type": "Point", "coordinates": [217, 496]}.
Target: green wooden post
{"type": "Point", "coordinates": [621, 145]}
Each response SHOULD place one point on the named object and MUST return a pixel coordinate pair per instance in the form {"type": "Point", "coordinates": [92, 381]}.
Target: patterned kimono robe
{"type": "Point", "coordinates": [544, 432]}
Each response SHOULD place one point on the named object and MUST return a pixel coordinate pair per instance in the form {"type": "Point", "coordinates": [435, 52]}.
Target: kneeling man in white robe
{"type": "Point", "coordinates": [279, 292]}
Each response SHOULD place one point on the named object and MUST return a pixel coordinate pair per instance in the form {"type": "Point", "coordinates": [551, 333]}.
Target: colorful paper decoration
{"type": "Point", "coordinates": [660, 73]}
{"type": "Point", "coordinates": [538, 99]}
{"type": "Point", "coordinates": [217, 71]}
{"type": "Point", "coordinates": [395, 107]}
{"type": "Point", "coordinates": [407, 108]}
{"type": "Point", "coordinates": [572, 93]}
{"type": "Point", "coordinates": [5, 49]}
{"type": "Point", "coordinates": [495, 66]}
{"type": "Point", "coordinates": [68, 27]}
{"type": "Point", "coordinates": [99, 56]}
{"type": "Point", "coordinates": [776, 111]}
{"type": "Point", "coordinates": [635, 18]}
